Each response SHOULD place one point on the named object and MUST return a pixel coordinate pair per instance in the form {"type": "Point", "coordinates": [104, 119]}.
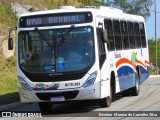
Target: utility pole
{"type": "Point", "coordinates": [155, 9]}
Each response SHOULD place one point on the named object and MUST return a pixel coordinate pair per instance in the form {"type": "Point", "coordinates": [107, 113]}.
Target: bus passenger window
{"type": "Point", "coordinates": [142, 34]}
{"type": "Point", "coordinates": [137, 35]}
{"type": "Point", "coordinates": [108, 27]}
{"type": "Point", "coordinates": [125, 41]}
{"type": "Point", "coordinates": [131, 34]}
{"type": "Point", "coordinates": [117, 34]}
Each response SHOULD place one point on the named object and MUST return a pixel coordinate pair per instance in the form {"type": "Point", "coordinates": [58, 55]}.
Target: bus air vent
{"type": "Point", "coordinates": [67, 95]}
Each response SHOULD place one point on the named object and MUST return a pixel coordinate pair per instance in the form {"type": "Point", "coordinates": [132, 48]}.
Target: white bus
{"type": "Point", "coordinates": [73, 54]}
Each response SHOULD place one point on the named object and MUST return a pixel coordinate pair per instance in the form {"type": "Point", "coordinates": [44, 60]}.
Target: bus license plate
{"type": "Point", "coordinates": [58, 98]}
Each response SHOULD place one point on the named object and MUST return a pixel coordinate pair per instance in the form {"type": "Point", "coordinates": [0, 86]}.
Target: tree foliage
{"type": "Point", "coordinates": [91, 2]}
{"type": "Point", "coordinates": [152, 49]}
{"type": "Point", "coordinates": [7, 17]}
{"type": "Point", "coordinates": [137, 7]}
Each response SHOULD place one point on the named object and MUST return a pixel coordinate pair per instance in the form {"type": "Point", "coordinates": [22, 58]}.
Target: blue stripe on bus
{"type": "Point", "coordinates": [127, 76]}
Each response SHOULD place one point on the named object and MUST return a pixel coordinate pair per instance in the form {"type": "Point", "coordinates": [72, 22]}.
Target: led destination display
{"type": "Point", "coordinates": [55, 19]}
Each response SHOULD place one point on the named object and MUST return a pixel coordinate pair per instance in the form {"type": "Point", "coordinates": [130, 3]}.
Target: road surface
{"type": "Point", "coordinates": [148, 100]}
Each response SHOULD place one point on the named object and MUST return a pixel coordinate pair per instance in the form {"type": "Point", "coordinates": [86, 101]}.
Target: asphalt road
{"type": "Point", "coordinates": [148, 100]}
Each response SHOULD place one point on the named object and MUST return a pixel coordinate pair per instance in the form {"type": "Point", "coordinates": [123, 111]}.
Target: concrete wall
{"type": "Point", "coordinates": [4, 47]}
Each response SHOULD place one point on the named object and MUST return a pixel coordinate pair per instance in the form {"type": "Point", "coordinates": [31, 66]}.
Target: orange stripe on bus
{"type": "Point", "coordinates": [144, 65]}
{"type": "Point", "coordinates": [146, 62]}
{"type": "Point", "coordinates": [123, 60]}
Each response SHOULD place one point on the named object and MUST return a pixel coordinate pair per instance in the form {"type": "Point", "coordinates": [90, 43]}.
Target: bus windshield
{"type": "Point", "coordinates": [56, 50]}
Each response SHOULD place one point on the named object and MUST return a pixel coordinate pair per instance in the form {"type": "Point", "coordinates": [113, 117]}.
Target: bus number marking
{"type": "Point", "coordinates": [117, 55]}
{"type": "Point", "coordinates": [34, 21]}
{"type": "Point", "coordinates": [72, 84]}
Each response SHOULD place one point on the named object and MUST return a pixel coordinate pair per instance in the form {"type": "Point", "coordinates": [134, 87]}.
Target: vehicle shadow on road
{"type": "Point", "coordinates": [73, 107]}
{"type": "Point", "coordinates": [78, 107]}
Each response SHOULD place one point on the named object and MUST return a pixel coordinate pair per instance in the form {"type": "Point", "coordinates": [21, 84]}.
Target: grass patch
{"type": "Point", "coordinates": [8, 77]}
{"type": "Point", "coordinates": [7, 18]}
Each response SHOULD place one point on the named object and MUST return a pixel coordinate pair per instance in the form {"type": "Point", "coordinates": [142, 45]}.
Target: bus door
{"type": "Point", "coordinates": [103, 64]}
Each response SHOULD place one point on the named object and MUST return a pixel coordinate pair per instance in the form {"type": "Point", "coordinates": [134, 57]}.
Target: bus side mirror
{"type": "Point", "coordinates": [10, 44]}
{"type": "Point", "coordinates": [10, 40]}
{"type": "Point", "coordinates": [104, 35]}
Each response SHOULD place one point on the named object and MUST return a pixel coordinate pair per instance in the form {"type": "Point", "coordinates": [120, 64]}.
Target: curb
{"type": "Point", "coordinates": [154, 76]}
{"type": "Point", "coordinates": [10, 106]}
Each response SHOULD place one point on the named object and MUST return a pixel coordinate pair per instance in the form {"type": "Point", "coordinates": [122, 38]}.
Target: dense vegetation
{"type": "Point", "coordinates": [152, 53]}
{"type": "Point", "coordinates": [7, 18]}
{"type": "Point", "coordinates": [138, 7]}
{"type": "Point", "coordinates": [8, 80]}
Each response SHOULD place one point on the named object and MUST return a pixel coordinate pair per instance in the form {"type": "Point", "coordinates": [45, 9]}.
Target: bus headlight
{"type": "Point", "coordinates": [90, 80]}
{"type": "Point", "coordinates": [24, 84]}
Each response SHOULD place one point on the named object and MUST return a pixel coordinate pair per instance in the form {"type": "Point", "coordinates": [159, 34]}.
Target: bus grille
{"type": "Point", "coordinates": [55, 78]}
{"type": "Point", "coordinates": [67, 95]}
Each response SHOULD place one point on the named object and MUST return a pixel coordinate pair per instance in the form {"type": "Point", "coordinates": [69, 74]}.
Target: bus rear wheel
{"type": "Point", "coordinates": [45, 106]}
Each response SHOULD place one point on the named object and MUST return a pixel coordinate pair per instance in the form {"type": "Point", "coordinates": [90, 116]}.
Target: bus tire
{"type": "Point", "coordinates": [113, 87]}
{"type": "Point", "coordinates": [126, 93]}
{"type": "Point", "coordinates": [135, 90]}
{"type": "Point", "coordinates": [45, 106]}
{"type": "Point", "coordinates": [106, 102]}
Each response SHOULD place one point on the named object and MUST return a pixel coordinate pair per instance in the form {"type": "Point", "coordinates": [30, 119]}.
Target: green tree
{"type": "Point", "coordinates": [151, 45]}
{"type": "Point", "coordinates": [132, 6]}
{"type": "Point", "coordinates": [91, 2]}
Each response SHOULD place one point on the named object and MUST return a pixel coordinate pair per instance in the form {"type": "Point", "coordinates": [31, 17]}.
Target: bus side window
{"type": "Point", "coordinates": [27, 43]}
{"type": "Point", "coordinates": [131, 34]}
{"type": "Point", "coordinates": [108, 27]}
{"type": "Point", "coordinates": [142, 34]}
{"type": "Point", "coordinates": [117, 34]}
{"type": "Point", "coordinates": [137, 35]}
{"type": "Point", "coordinates": [101, 47]}
{"type": "Point", "coordinates": [125, 41]}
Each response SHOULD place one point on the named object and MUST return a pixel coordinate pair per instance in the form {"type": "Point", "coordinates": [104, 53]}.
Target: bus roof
{"type": "Point", "coordinates": [102, 11]}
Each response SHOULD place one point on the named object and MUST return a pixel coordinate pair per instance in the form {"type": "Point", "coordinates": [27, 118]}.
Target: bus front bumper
{"type": "Point", "coordinates": [91, 92]}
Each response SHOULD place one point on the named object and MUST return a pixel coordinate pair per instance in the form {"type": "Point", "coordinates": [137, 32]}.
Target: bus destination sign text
{"type": "Point", "coordinates": [55, 19]}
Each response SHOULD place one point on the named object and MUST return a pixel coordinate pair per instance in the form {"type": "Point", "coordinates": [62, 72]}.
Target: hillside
{"type": "Point", "coordinates": [8, 16]}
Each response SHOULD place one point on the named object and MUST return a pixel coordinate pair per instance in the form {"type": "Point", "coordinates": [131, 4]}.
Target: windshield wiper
{"type": "Point", "coordinates": [65, 36]}
{"type": "Point", "coordinates": [49, 42]}
{"type": "Point", "coordinates": [68, 31]}
{"type": "Point", "coordinates": [60, 41]}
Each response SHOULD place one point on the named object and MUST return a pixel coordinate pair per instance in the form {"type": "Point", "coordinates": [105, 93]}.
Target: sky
{"type": "Point", "coordinates": [150, 23]}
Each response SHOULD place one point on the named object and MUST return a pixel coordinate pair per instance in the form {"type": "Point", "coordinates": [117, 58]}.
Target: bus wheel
{"type": "Point", "coordinates": [135, 90]}
{"type": "Point", "coordinates": [106, 102]}
{"type": "Point", "coordinates": [45, 106]}
{"type": "Point", "coordinates": [113, 91]}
